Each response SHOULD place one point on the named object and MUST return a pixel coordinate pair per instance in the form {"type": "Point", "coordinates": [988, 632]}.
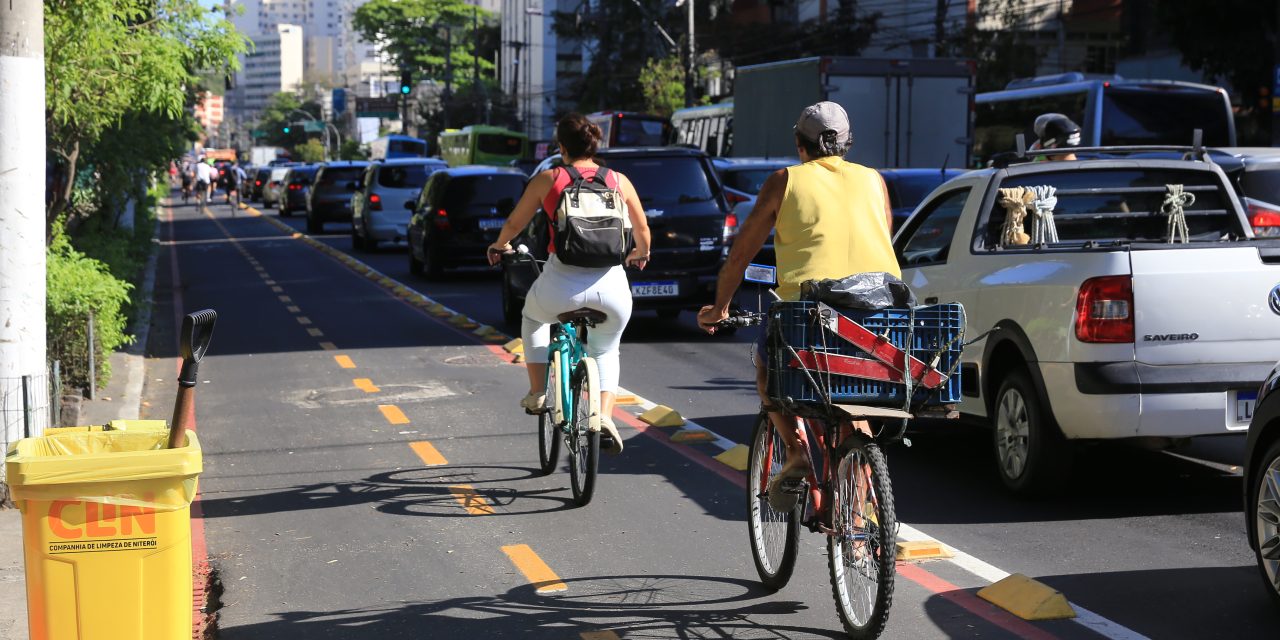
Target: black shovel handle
{"type": "Point", "coordinates": [197, 331]}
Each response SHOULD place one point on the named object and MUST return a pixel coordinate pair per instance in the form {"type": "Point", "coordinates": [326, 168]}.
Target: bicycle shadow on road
{"type": "Point", "coordinates": [631, 606]}
{"type": "Point", "coordinates": [421, 491]}
{"type": "Point", "coordinates": [1203, 603]}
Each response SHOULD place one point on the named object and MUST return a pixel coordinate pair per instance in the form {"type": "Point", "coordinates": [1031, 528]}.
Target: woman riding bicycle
{"type": "Point", "coordinates": [833, 219]}
{"type": "Point", "coordinates": [562, 288]}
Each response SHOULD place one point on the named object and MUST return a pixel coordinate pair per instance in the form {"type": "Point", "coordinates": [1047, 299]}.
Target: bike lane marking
{"type": "Point", "coordinates": [366, 385]}
{"type": "Point", "coordinates": [471, 500]}
{"type": "Point", "coordinates": [345, 362]}
{"type": "Point", "coordinates": [543, 579]}
{"type": "Point", "coordinates": [393, 414]}
{"type": "Point", "coordinates": [428, 453]}
{"type": "Point", "coordinates": [485, 334]}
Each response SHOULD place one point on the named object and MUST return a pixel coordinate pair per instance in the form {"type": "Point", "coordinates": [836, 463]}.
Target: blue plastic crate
{"type": "Point", "coordinates": [936, 329]}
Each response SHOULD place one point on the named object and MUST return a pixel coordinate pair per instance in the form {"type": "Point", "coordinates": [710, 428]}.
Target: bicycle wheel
{"type": "Point", "coordinates": [584, 432]}
{"type": "Point", "coordinates": [860, 552]}
{"type": "Point", "coordinates": [775, 535]}
{"type": "Point", "coordinates": [548, 429]}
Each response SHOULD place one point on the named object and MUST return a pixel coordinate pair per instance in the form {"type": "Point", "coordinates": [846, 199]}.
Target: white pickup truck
{"type": "Point", "coordinates": [1108, 331]}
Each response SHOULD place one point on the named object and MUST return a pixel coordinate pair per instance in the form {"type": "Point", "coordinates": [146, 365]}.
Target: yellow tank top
{"type": "Point", "coordinates": [832, 224]}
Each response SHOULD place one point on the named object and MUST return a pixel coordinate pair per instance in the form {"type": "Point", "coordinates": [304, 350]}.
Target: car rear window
{"type": "Point", "coordinates": [747, 180]}
{"type": "Point", "coordinates": [1262, 184]}
{"type": "Point", "coordinates": [301, 176]}
{"type": "Point", "coordinates": [1145, 116]}
{"type": "Point", "coordinates": [1107, 205]}
{"type": "Point", "coordinates": [489, 191]}
{"type": "Point", "coordinates": [641, 132]}
{"type": "Point", "coordinates": [909, 191]}
{"type": "Point", "coordinates": [339, 176]}
{"type": "Point", "coordinates": [666, 180]}
{"type": "Point", "coordinates": [411, 176]}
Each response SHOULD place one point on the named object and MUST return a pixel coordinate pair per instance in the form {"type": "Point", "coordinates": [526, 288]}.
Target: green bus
{"type": "Point", "coordinates": [482, 144]}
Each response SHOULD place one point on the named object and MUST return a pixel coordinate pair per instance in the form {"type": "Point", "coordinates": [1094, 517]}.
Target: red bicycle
{"type": "Point", "coordinates": [847, 495]}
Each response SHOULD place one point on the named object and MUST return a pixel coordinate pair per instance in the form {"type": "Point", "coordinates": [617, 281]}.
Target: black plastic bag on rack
{"type": "Point", "coordinates": [870, 291]}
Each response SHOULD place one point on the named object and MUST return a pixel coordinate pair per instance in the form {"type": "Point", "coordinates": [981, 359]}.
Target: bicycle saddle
{"type": "Point", "coordinates": [592, 316]}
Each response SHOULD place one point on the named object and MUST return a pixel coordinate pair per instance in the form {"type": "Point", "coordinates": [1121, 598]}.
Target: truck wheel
{"type": "Point", "coordinates": [313, 225]}
{"type": "Point", "coordinates": [1031, 455]}
{"type": "Point", "coordinates": [1264, 509]}
{"type": "Point", "coordinates": [415, 265]}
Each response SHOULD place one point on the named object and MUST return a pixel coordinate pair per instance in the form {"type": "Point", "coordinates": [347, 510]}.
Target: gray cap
{"type": "Point", "coordinates": [824, 123]}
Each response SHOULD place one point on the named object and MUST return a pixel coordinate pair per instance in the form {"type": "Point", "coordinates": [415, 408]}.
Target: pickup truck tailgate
{"type": "Point", "coordinates": [1210, 305]}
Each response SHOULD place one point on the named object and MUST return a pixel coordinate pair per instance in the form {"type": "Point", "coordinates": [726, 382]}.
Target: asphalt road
{"type": "Point", "coordinates": [325, 519]}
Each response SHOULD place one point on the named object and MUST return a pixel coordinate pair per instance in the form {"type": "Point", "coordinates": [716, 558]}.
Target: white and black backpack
{"type": "Point", "coordinates": [592, 228]}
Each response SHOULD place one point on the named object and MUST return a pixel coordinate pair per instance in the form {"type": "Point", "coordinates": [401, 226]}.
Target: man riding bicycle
{"type": "Point", "coordinates": [206, 174]}
{"type": "Point", "coordinates": [832, 219]}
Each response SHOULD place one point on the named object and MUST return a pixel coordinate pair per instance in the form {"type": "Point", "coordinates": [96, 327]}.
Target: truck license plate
{"type": "Point", "coordinates": [488, 224]}
{"type": "Point", "coordinates": [654, 289]}
{"type": "Point", "coordinates": [1245, 402]}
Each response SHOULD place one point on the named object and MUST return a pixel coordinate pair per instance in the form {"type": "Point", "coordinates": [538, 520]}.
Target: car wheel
{"type": "Point", "coordinates": [1264, 510]}
{"type": "Point", "coordinates": [284, 212]}
{"type": "Point", "coordinates": [369, 242]}
{"type": "Point", "coordinates": [432, 263]}
{"type": "Point", "coordinates": [357, 244]}
{"type": "Point", "coordinates": [511, 312]}
{"type": "Point", "coordinates": [313, 225]}
{"type": "Point", "coordinates": [415, 265]}
{"type": "Point", "coordinates": [1031, 454]}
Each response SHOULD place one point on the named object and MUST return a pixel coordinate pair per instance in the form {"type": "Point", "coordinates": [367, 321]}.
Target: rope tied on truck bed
{"type": "Point", "coordinates": [1175, 199]}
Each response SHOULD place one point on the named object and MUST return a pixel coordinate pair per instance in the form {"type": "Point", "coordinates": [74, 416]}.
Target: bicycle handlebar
{"type": "Point", "coordinates": [742, 319]}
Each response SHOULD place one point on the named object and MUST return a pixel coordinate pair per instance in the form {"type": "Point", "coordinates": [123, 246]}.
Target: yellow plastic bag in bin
{"type": "Point", "coordinates": [106, 532]}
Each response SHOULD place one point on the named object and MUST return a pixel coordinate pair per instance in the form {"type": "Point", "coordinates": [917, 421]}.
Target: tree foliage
{"type": "Point", "coordinates": [413, 35]}
{"type": "Point", "coordinates": [662, 84]}
{"type": "Point", "coordinates": [287, 110]}
{"type": "Point", "coordinates": [112, 65]}
{"type": "Point", "coordinates": [76, 286]}
{"type": "Point", "coordinates": [1002, 54]}
{"type": "Point", "coordinates": [311, 151]}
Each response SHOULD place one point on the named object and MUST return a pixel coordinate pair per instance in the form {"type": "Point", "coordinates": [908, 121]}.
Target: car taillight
{"type": "Point", "coordinates": [295, 187]}
{"type": "Point", "coordinates": [441, 220]}
{"type": "Point", "coordinates": [730, 227]}
{"type": "Point", "coordinates": [257, 183]}
{"type": "Point", "coordinates": [1104, 310]}
{"type": "Point", "coordinates": [375, 202]}
{"type": "Point", "coordinates": [1264, 220]}
{"type": "Point", "coordinates": [734, 198]}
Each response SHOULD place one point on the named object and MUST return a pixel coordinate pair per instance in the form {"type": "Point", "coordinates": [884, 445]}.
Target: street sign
{"type": "Point", "coordinates": [382, 107]}
{"type": "Point", "coordinates": [258, 133]}
{"type": "Point", "coordinates": [313, 126]}
{"type": "Point", "coordinates": [339, 100]}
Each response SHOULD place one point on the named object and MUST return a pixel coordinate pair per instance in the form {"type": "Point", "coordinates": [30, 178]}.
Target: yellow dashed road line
{"type": "Point", "coordinates": [344, 361]}
{"type": "Point", "coordinates": [534, 569]}
{"type": "Point", "coordinates": [366, 385]}
{"type": "Point", "coordinates": [315, 333]}
{"type": "Point", "coordinates": [599, 635]}
{"type": "Point", "coordinates": [303, 320]}
{"type": "Point", "coordinates": [473, 502]}
{"type": "Point", "coordinates": [329, 346]}
{"type": "Point", "coordinates": [428, 453]}
{"type": "Point", "coordinates": [393, 414]}
{"type": "Point", "coordinates": [292, 309]}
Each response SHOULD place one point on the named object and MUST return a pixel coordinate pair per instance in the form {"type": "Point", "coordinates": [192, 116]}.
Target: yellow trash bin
{"type": "Point", "coordinates": [106, 532]}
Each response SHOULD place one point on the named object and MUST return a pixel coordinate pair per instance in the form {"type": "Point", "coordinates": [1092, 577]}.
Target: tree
{"type": "Point", "coordinates": [412, 33]}
{"type": "Point", "coordinates": [1232, 39]}
{"type": "Point", "coordinates": [620, 37]}
{"type": "Point", "coordinates": [351, 150]}
{"type": "Point", "coordinates": [662, 83]}
{"type": "Point", "coordinates": [1001, 54]}
{"type": "Point", "coordinates": [282, 111]}
{"type": "Point", "coordinates": [311, 151]}
{"type": "Point", "coordinates": [110, 63]}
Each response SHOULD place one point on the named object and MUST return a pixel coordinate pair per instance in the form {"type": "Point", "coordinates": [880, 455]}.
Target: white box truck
{"type": "Point", "coordinates": [904, 112]}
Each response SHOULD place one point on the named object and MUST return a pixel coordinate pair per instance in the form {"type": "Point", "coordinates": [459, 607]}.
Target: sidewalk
{"type": "Point", "coordinates": [121, 399]}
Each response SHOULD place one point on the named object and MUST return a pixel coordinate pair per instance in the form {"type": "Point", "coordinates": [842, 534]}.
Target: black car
{"type": "Point", "coordinates": [329, 199]}
{"type": "Point", "coordinates": [294, 188]}
{"type": "Point", "coordinates": [689, 224]}
{"type": "Point", "coordinates": [257, 181]}
{"type": "Point", "coordinates": [1262, 478]}
{"type": "Point", "coordinates": [458, 214]}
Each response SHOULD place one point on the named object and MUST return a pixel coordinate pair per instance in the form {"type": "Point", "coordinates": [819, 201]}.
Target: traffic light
{"type": "Point", "coordinates": [286, 128]}
{"type": "Point", "coordinates": [406, 82]}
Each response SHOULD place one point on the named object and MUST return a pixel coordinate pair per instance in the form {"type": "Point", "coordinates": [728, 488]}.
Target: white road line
{"type": "Point", "coordinates": [992, 573]}
{"type": "Point", "coordinates": [717, 440]}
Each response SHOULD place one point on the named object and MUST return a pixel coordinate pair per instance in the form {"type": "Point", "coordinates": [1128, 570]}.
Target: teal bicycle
{"type": "Point", "coordinates": [572, 412]}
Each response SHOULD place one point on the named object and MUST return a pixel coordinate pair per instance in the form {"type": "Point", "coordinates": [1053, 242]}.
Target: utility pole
{"type": "Point", "coordinates": [939, 32]}
{"type": "Point", "coordinates": [688, 67]}
{"type": "Point", "coordinates": [22, 221]}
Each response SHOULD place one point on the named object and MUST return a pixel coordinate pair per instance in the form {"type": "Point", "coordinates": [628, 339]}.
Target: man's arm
{"type": "Point", "coordinates": [751, 237]}
{"type": "Point", "coordinates": [888, 206]}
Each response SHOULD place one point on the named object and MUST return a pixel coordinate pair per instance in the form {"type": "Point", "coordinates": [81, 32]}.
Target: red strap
{"type": "Point", "coordinates": [843, 365]}
{"type": "Point", "coordinates": [884, 351]}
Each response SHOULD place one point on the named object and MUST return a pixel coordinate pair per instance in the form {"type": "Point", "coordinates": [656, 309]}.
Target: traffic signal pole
{"type": "Point", "coordinates": [22, 216]}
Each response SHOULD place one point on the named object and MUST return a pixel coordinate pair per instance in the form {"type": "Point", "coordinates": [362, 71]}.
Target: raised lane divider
{"type": "Point", "coordinates": [1027, 598]}
{"type": "Point", "coordinates": [662, 416]}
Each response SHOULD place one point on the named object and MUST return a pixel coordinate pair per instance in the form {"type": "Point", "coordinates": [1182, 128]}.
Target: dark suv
{"type": "Point", "coordinates": [329, 199]}
{"type": "Point", "coordinates": [294, 188]}
{"type": "Point", "coordinates": [458, 215]}
{"type": "Point", "coordinates": [688, 222]}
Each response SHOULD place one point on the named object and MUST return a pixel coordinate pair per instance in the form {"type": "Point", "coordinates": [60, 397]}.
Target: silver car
{"type": "Point", "coordinates": [382, 206]}
{"type": "Point", "coordinates": [271, 190]}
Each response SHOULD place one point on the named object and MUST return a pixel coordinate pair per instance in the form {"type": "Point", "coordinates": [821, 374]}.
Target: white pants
{"type": "Point", "coordinates": [562, 288]}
